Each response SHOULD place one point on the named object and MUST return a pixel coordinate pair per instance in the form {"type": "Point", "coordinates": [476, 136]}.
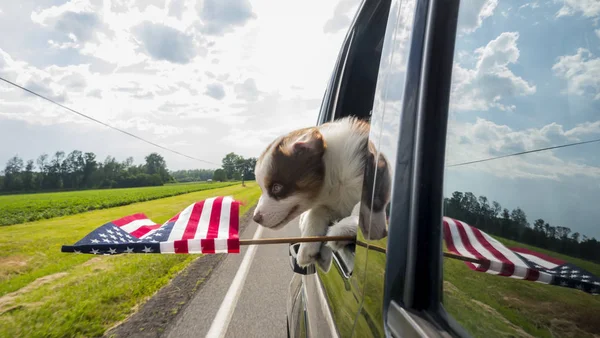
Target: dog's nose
{"type": "Point", "coordinates": [257, 217]}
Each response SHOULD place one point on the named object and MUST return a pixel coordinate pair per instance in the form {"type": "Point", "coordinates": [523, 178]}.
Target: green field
{"type": "Point", "coordinates": [16, 209]}
{"type": "Point", "coordinates": [46, 293]}
{"type": "Point", "coordinates": [485, 305]}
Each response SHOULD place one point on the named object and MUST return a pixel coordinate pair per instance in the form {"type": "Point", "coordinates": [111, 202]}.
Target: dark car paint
{"type": "Point", "coordinates": [398, 294]}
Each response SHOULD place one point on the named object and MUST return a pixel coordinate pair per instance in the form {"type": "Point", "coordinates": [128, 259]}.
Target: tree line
{"type": "Point", "coordinates": [234, 167]}
{"type": "Point", "coordinates": [193, 175]}
{"type": "Point", "coordinates": [78, 170]}
{"type": "Point", "coordinates": [495, 220]}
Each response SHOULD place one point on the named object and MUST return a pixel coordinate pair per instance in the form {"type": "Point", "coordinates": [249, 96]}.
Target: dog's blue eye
{"type": "Point", "coordinates": [276, 188]}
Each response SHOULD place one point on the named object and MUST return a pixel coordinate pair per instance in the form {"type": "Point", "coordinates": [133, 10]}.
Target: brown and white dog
{"type": "Point", "coordinates": [317, 173]}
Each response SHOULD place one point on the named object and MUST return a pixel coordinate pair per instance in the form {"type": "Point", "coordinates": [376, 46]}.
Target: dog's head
{"type": "Point", "coordinates": [376, 193]}
{"type": "Point", "coordinates": [290, 174]}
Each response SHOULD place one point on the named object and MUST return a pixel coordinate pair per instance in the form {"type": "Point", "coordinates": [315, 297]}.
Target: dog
{"type": "Point", "coordinates": [317, 173]}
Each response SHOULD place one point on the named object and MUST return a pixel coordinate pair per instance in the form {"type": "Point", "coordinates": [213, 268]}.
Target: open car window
{"type": "Point", "coordinates": [354, 90]}
{"type": "Point", "coordinates": [522, 171]}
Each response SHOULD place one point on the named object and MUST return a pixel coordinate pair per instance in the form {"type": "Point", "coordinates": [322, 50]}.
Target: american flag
{"type": "Point", "coordinates": [467, 241]}
{"type": "Point", "coordinates": [207, 227]}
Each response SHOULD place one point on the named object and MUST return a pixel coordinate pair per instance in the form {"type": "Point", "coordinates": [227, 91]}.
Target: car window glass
{"type": "Point", "coordinates": [523, 170]}
{"type": "Point", "coordinates": [385, 126]}
{"type": "Point", "coordinates": [354, 97]}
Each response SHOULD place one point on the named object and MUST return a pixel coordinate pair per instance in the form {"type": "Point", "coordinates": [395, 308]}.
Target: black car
{"type": "Point", "coordinates": [395, 69]}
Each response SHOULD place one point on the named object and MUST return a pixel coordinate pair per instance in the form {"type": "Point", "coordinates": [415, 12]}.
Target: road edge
{"type": "Point", "coordinates": [160, 311]}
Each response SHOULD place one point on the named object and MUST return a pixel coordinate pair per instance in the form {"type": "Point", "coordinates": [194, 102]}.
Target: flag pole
{"type": "Point", "coordinates": [291, 240]}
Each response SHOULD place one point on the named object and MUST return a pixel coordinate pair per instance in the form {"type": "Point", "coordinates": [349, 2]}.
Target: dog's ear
{"type": "Point", "coordinates": [310, 142]}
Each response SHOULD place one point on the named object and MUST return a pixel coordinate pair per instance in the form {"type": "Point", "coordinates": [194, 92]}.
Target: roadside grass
{"type": "Point", "coordinates": [485, 305]}
{"type": "Point", "coordinates": [46, 293]}
{"type": "Point", "coordinates": [15, 209]}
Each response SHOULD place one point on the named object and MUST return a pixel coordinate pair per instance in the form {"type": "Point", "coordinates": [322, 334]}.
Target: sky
{"type": "Point", "coordinates": [210, 77]}
{"type": "Point", "coordinates": [527, 76]}
{"type": "Point", "coordinates": [204, 78]}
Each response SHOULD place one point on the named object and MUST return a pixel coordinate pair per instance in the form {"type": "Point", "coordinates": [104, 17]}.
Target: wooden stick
{"type": "Point", "coordinates": [296, 240]}
{"type": "Point", "coordinates": [290, 240]}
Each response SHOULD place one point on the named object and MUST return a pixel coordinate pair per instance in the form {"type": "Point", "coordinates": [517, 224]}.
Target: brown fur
{"type": "Point", "coordinates": [377, 176]}
{"type": "Point", "coordinates": [297, 169]}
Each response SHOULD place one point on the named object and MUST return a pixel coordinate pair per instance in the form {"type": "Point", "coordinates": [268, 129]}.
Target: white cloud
{"type": "Point", "coordinates": [165, 43]}
{"type": "Point", "coordinates": [473, 13]}
{"type": "Point", "coordinates": [77, 20]}
{"type": "Point", "coordinates": [247, 90]}
{"type": "Point", "coordinates": [490, 82]}
{"type": "Point", "coordinates": [588, 8]}
{"type": "Point", "coordinates": [176, 8]}
{"type": "Point", "coordinates": [215, 90]}
{"type": "Point", "coordinates": [342, 16]}
{"type": "Point", "coordinates": [485, 139]}
{"type": "Point", "coordinates": [145, 126]}
{"type": "Point", "coordinates": [272, 68]}
{"type": "Point", "coordinates": [221, 16]}
{"type": "Point", "coordinates": [582, 72]}
{"type": "Point", "coordinates": [532, 5]}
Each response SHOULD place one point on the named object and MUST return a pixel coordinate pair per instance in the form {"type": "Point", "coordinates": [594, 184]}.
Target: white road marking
{"type": "Point", "coordinates": [219, 326]}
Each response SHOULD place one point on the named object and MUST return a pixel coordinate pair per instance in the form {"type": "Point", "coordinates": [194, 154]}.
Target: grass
{"type": "Point", "coordinates": [498, 306]}
{"type": "Point", "coordinates": [15, 209]}
{"type": "Point", "coordinates": [485, 305]}
{"type": "Point", "coordinates": [46, 293]}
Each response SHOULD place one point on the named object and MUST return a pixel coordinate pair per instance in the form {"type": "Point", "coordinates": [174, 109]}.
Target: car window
{"type": "Point", "coordinates": [354, 97]}
{"type": "Point", "coordinates": [385, 127]}
{"type": "Point", "coordinates": [523, 169]}
{"type": "Point", "coordinates": [358, 80]}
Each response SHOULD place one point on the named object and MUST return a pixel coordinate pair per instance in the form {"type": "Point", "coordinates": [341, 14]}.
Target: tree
{"type": "Point", "coordinates": [28, 182]}
{"type": "Point", "coordinates": [194, 175]}
{"type": "Point", "coordinates": [230, 164]}
{"type": "Point", "coordinates": [89, 167]}
{"type": "Point", "coordinates": [514, 225]}
{"type": "Point", "coordinates": [538, 225]}
{"type": "Point", "coordinates": [519, 217]}
{"type": "Point", "coordinates": [79, 170]}
{"type": "Point", "coordinates": [12, 174]}
{"type": "Point", "coordinates": [497, 208]}
{"type": "Point", "coordinates": [505, 214]}
{"type": "Point", "coordinates": [220, 175]}
{"type": "Point", "coordinates": [42, 162]}
{"type": "Point", "coordinates": [155, 164]}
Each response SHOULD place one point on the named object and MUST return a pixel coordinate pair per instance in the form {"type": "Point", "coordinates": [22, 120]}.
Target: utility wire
{"type": "Point", "coordinates": [525, 152]}
{"type": "Point", "coordinates": [108, 125]}
{"type": "Point", "coordinates": [200, 160]}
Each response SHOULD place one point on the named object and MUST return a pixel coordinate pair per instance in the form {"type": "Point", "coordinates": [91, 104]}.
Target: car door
{"type": "Point", "coordinates": [402, 285]}
{"type": "Point", "coordinates": [399, 73]}
{"type": "Point", "coordinates": [327, 303]}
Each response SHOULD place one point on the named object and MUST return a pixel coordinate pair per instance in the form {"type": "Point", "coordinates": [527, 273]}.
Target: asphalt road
{"type": "Point", "coordinates": [261, 306]}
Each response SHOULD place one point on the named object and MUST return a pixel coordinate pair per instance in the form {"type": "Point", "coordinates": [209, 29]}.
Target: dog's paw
{"type": "Point", "coordinates": [308, 253]}
{"type": "Point", "coordinates": [346, 227]}
{"type": "Point", "coordinates": [301, 221]}
{"type": "Point", "coordinates": [325, 257]}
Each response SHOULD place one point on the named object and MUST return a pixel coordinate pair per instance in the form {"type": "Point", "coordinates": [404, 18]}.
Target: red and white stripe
{"type": "Point", "coordinates": [136, 225]}
{"type": "Point", "coordinates": [209, 226]}
{"type": "Point", "coordinates": [465, 240]}
{"type": "Point", "coordinates": [539, 258]}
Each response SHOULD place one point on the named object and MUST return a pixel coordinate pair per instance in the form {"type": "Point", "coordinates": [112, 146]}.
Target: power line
{"type": "Point", "coordinates": [106, 124]}
{"type": "Point", "coordinates": [525, 152]}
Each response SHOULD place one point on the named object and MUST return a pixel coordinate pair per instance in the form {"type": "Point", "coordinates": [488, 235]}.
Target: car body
{"type": "Point", "coordinates": [394, 70]}
{"type": "Point", "coordinates": [472, 104]}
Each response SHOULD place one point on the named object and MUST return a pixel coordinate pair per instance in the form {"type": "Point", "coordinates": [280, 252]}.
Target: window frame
{"type": "Point", "coordinates": [414, 275]}
{"type": "Point", "coordinates": [330, 109]}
